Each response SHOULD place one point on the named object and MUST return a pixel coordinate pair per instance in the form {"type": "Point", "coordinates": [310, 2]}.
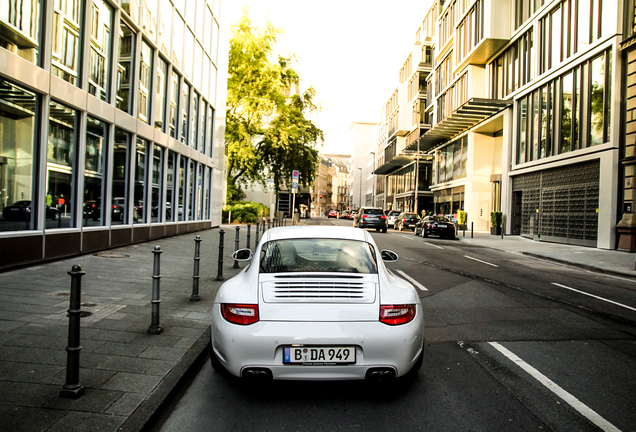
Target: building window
{"type": "Point", "coordinates": [141, 170]}
{"type": "Point", "coordinates": [600, 71]}
{"type": "Point", "coordinates": [94, 163]}
{"type": "Point", "coordinates": [451, 160]}
{"type": "Point", "coordinates": [160, 94]}
{"type": "Point", "coordinates": [121, 164]}
{"type": "Point", "coordinates": [22, 27]}
{"type": "Point", "coordinates": [100, 49]}
{"type": "Point", "coordinates": [190, 205]}
{"type": "Point", "coordinates": [524, 9]}
{"type": "Point", "coordinates": [165, 28]}
{"type": "Point", "coordinates": [182, 185]}
{"type": "Point", "coordinates": [145, 77]}
{"type": "Point", "coordinates": [194, 120]}
{"type": "Point", "coordinates": [170, 179]}
{"type": "Point", "coordinates": [18, 108]}
{"type": "Point", "coordinates": [61, 164]}
{"type": "Point", "coordinates": [210, 133]}
{"type": "Point", "coordinates": [174, 105]}
{"type": "Point", "coordinates": [512, 69]}
{"type": "Point", "coordinates": [156, 182]}
{"type": "Point", "coordinates": [65, 59]}
{"type": "Point", "coordinates": [124, 67]}
{"type": "Point", "coordinates": [185, 98]}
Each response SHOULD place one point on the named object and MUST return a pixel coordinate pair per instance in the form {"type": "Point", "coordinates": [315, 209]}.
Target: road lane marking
{"type": "Point", "coordinates": [484, 262]}
{"type": "Point", "coordinates": [408, 238]}
{"type": "Point", "coordinates": [595, 296]}
{"type": "Point", "coordinates": [431, 244]}
{"type": "Point", "coordinates": [586, 411]}
{"type": "Point", "coordinates": [413, 281]}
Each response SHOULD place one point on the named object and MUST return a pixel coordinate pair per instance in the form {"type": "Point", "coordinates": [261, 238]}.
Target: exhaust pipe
{"type": "Point", "coordinates": [258, 374]}
{"type": "Point", "coordinates": [376, 375]}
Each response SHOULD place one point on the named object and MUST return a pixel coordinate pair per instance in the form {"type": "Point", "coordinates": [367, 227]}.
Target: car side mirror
{"type": "Point", "coordinates": [242, 255]}
{"type": "Point", "coordinates": [388, 256]}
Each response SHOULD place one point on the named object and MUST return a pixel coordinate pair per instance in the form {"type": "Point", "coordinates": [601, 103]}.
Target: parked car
{"type": "Point", "coordinates": [118, 209]}
{"type": "Point", "coordinates": [370, 217]}
{"type": "Point", "coordinates": [406, 220]}
{"type": "Point", "coordinates": [435, 225]}
{"type": "Point", "coordinates": [317, 303]}
{"type": "Point", "coordinates": [391, 216]}
{"type": "Point", "coordinates": [21, 211]}
{"type": "Point", "coordinates": [88, 209]}
{"type": "Point", "coordinates": [332, 214]}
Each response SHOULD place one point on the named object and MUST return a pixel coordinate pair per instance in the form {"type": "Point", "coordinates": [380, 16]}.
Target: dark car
{"type": "Point", "coordinates": [435, 225]}
{"type": "Point", "coordinates": [21, 210]}
{"type": "Point", "coordinates": [406, 220]}
{"type": "Point", "coordinates": [332, 214]}
{"type": "Point", "coordinates": [370, 217]}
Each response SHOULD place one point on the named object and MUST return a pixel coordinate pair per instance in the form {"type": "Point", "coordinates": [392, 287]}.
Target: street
{"type": "Point", "coordinates": [512, 343]}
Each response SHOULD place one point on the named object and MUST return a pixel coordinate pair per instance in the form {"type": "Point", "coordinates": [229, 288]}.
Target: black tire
{"type": "Point", "coordinates": [384, 230]}
{"type": "Point", "coordinates": [216, 363]}
{"type": "Point", "coordinates": [425, 234]}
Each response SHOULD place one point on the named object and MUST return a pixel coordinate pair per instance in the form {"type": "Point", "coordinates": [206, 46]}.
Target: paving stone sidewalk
{"type": "Point", "coordinates": [126, 372]}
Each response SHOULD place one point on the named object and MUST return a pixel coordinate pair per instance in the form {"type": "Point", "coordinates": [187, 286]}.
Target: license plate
{"type": "Point", "coordinates": [15, 209]}
{"type": "Point", "coordinates": [442, 226]}
{"type": "Point", "coordinates": [319, 355]}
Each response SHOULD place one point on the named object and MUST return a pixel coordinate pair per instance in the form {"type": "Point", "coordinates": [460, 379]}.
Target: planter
{"type": "Point", "coordinates": [495, 231]}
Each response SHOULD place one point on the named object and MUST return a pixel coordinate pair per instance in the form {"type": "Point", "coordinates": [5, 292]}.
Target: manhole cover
{"type": "Point", "coordinates": [111, 255]}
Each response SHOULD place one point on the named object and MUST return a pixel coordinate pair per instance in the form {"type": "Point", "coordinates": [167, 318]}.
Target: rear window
{"type": "Point", "coordinates": [317, 255]}
{"type": "Point", "coordinates": [374, 212]}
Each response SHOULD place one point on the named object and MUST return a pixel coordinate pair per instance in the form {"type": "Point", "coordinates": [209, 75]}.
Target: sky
{"type": "Point", "coordinates": [350, 51]}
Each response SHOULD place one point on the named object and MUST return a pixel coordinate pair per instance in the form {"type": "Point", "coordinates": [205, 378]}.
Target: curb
{"type": "Point", "coordinates": [582, 266]}
{"type": "Point", "coordinates": [163, 398]}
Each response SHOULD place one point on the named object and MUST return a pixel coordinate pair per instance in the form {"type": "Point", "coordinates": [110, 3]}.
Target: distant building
{"type": "Point", "coordinates": [112, 123]}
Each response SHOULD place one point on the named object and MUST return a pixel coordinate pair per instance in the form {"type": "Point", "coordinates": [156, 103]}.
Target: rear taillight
{"type": "Point", "coordinates": [242, 314]}
{"type": "Point", "coordinates": [397, 314]}
{"type": "Point", "coordinates": [382, 217]}
{"type": "Point", "coordinates": [403, 220]}
{"type": "Point", "coordinates": [114, 206]}
{"type": "Point", "coordinates": [364, 216]}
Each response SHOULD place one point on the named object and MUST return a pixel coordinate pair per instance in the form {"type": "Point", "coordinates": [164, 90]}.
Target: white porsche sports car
{"type": "Point", "coordinates": [317, 303]}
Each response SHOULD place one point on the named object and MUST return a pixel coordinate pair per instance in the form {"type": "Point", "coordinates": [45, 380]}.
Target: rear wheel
{"type": "Point", "coordinates": [424, 232]}
{"type": "Point", "coordinates": [384, 230]}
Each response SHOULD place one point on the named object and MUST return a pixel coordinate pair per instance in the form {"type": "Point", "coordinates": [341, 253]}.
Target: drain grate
{"type": "Point", "coordinates": [111, 255]}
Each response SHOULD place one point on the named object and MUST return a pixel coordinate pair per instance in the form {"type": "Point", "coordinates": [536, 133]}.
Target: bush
{"type": "Point", "coordinates": [496, 219]}
{"type": "Point", "coordinates": [244, 212]}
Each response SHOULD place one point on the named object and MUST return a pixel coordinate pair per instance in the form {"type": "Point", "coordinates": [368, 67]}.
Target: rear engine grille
{"type": "Point", "coordinates": [338, 291]}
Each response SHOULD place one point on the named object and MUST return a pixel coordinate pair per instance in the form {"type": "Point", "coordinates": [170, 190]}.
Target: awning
{"type": "Point", "coordinates": [394, 164]}
{"type": "Point", "coordinates": [471, 113]}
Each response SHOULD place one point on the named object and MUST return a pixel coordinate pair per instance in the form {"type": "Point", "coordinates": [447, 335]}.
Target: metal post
{"type": "Point", "coordinates": [195, 276]}
{"type": "Point", "coordinates": [269, 223]}
{"type": "Point", "coordinates": [257, 228]}
{"type": "Point", "coordinates": [219, 275]}
{"type": "Point", "coordinates": [72, 389]}
{"type": "Point", "coordinates": [155, 327]}
{"type": "Point", "coordinates": [471, 229]}
{"type": "Point", "coordinates": [236, 246]}
{"type": "Point", "coordinates": [503, 227]}
{"type": "Point", "coordinates": [248, 235]}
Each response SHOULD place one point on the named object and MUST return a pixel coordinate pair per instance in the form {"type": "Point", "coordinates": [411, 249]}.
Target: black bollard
{"type": "Point", "coordinates": [195, 276]}
{"type": "Point", "coordinates": [269, 221]}
{"type": "Point", "coordinates": [155, 327]}
{"type": "Point", "coordinates": [257, 228]}
{"type": "Point", "coordinates": [219, 275]}
{"type": "Point", "coordinates": [236, 246]}
{"type": "Point", "coordinates": [248, 235]}
{"type": "Point", "coordinates": [471, 229]}
{"type": "Point", "coordinates": [72, 389]}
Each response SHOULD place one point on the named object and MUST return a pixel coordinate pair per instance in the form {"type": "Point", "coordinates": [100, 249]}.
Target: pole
{"type": "Point", "coordinates": [293, 212]}
{"type": "Point", "coordinates": [417, 175]}
{"type": "Point", "coordinates": [236, 246]}
{"type": "Point", "coordinates": [219, 275]}
{"type": "Point", "coordinates": [471, 229]}
{"type": "Point", "coordinates": [155, 327]}
{"type": "Point", "coordinates": [248, 235]}
{"type": "Point", "coordinates": [72, 389]}
{"type": "Point", "coordinates": [195, 276]}
{"type": "Point", "coordinates": [257, 229]}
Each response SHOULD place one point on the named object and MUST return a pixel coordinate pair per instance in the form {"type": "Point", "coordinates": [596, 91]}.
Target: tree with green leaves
{"type": "Point", "coordinates": [267, 129]}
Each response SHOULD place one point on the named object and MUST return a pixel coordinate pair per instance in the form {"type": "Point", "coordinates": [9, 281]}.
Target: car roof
{"type": "Point", "coordinates": [304, 231]}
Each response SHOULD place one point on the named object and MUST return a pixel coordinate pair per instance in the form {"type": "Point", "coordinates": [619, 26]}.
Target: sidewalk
{"type": "Point", "coordinates": [600, 260]}
{"type": "Point", "coordinates": [126, 372]}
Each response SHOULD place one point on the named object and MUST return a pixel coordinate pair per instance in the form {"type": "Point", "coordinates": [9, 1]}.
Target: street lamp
{"type": "Point", "coordinates": [360, 202]}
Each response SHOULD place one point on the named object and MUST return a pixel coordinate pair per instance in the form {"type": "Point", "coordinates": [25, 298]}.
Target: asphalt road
{"type": "Point", "coordinates": [512, 343]}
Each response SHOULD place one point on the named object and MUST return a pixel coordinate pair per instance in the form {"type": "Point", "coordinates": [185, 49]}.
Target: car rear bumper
{"type": "Point", "coordinates": [260, 345]}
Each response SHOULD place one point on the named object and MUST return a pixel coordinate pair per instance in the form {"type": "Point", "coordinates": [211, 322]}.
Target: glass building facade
{"type": "Point", "coordinates": [112, 133]}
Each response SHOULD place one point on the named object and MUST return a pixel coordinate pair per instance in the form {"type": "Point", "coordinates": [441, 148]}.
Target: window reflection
{"type": "Point", "coordinates": [121, 151]}
{"type": "Point", "coordinates": [60, 166]}
{"type": "Point", "coordinates": [124, 67]}
{"type": "Point", "coordinates": [191, 195]}
{"type": "Point", "coordinates": [145, 68]}
{"type": "Point", "coordinates": [165, 28]}
{"type": "Point", "coordinates": [174, 97]}
{"type": "Point", "coordinates": [182, 184]}
{"type": "Point", "coordinates": [170, 177]}
{"type": "Point", "coordinates": [17, 136]}
{"type": "Point", "coordinates": [101, 42]}
{"type": "Point", "coordinates": [194, 120]}
{"type": "Point", "coordinates": [177, 41]}
{"type": "Point", "coordinates": [92, 210]}
{"type": "Point", "coordinates": [160, 94]}
{"type": "Point", "coordinates": [157, 180]}
{"type": "Point", "coordinates": [597, 101]}
{"type": "Point", "coordinates": [66, 39]}
{"type": "Point", "coordinates": [22, 35]}
{"type": "Point", "coordinates": [183, 130]}
{"type": "Point", "coordinates": [140, 181]}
